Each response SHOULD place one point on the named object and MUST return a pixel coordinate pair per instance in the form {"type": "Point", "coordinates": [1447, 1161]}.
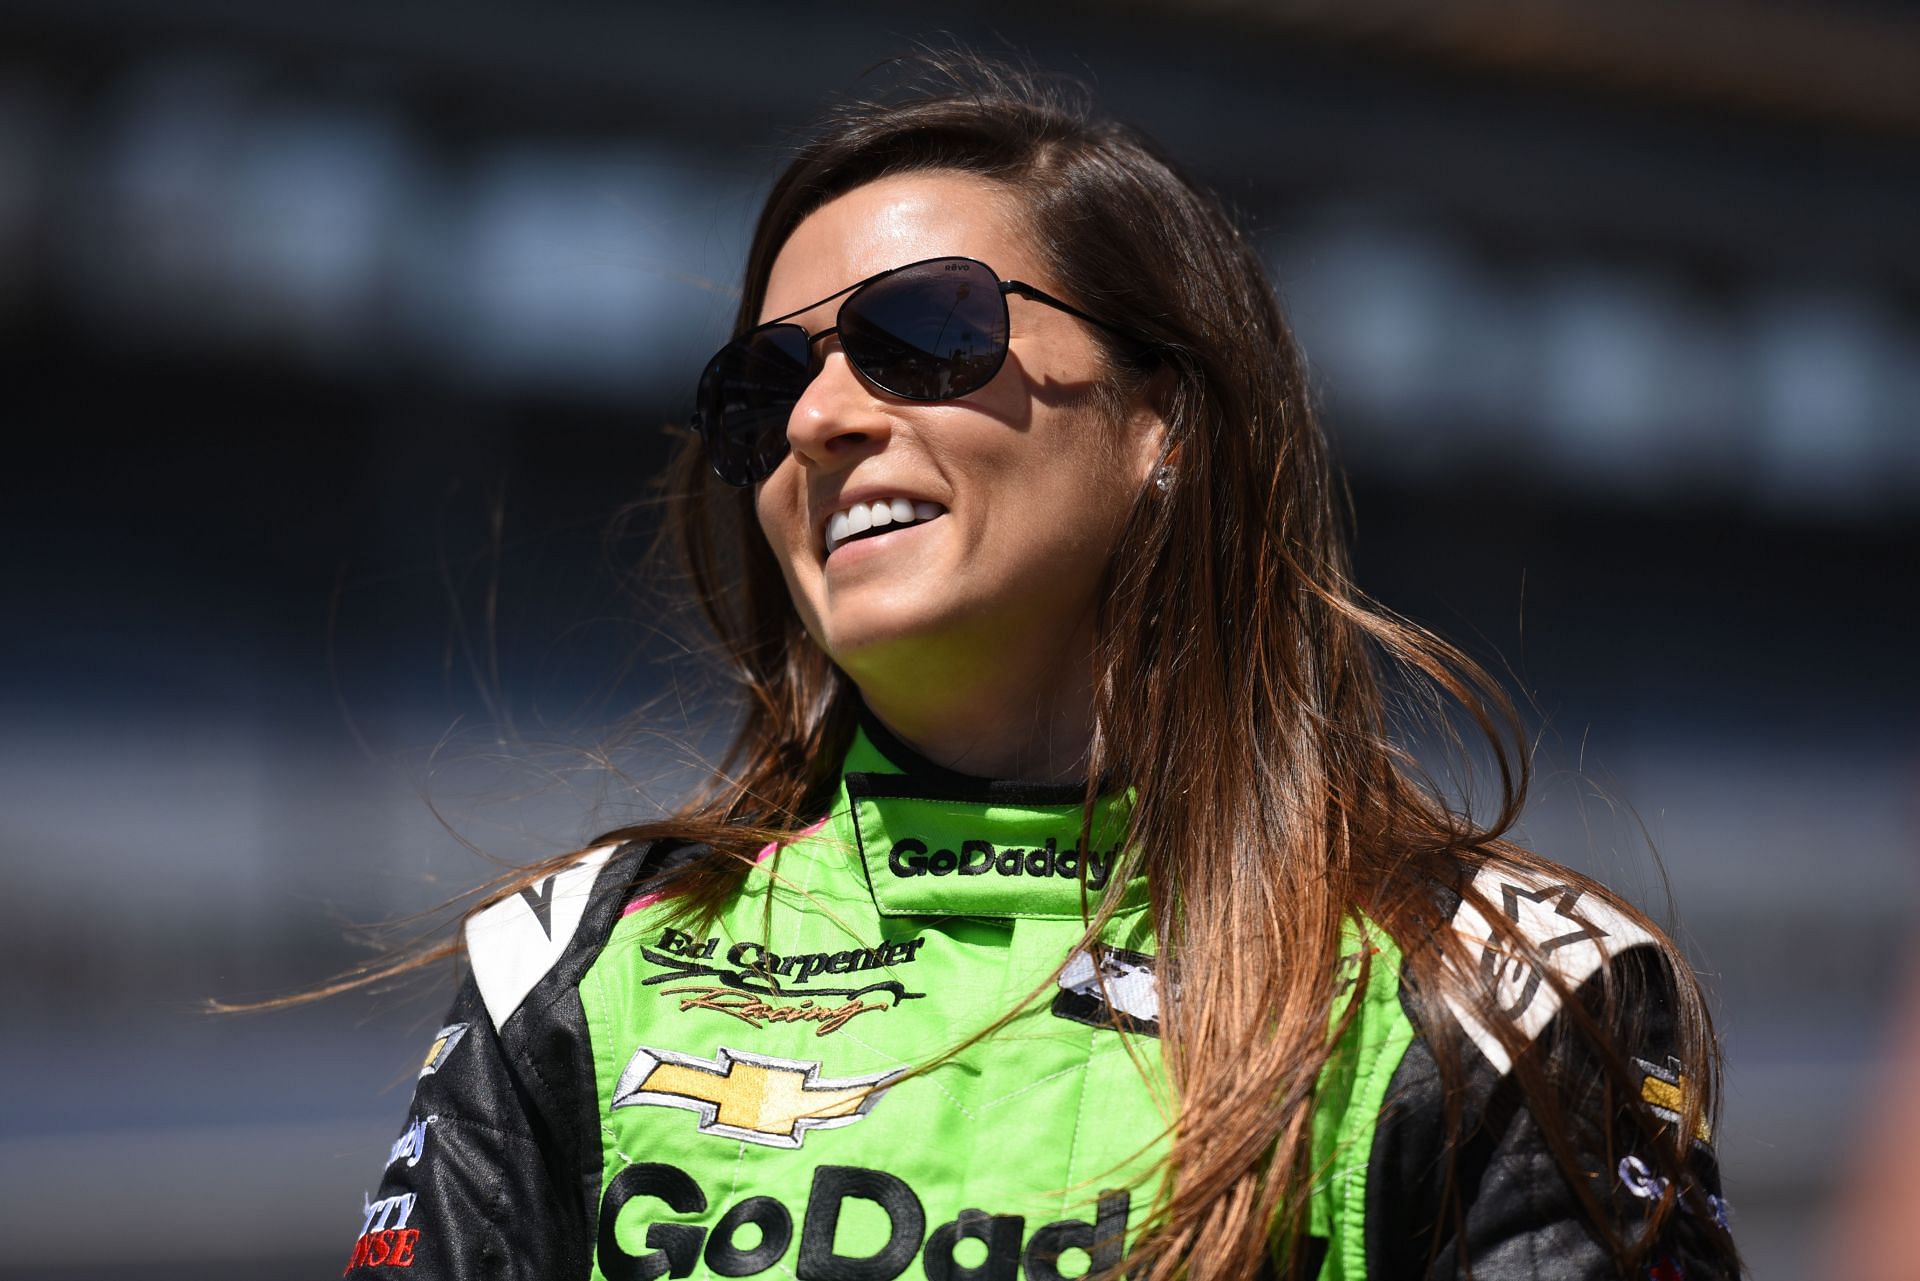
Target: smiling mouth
{"type": "Point", "coordinates": [883, 516]}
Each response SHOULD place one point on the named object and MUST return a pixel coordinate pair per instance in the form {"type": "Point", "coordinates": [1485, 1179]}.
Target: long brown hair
{"type": "Point", "coordinates": [1243, 685]}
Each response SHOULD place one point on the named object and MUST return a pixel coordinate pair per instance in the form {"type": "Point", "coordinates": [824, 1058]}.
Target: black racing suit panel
{"type": "Point", "coordinates": [1496, 1204]}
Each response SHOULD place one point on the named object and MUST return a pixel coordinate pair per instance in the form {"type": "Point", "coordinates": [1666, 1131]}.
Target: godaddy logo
{"type": "Point", "coordinates": [643, 1194]}
{"type": "Point", "coordinates": [911, 857]}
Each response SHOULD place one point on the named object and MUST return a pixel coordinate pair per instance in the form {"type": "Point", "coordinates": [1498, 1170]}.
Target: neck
{"type": "Point", "coordinates": [1032, 722]}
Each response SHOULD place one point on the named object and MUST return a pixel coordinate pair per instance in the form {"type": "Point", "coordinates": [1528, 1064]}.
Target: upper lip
{"type": "Point", "coordinates": [854, 495]}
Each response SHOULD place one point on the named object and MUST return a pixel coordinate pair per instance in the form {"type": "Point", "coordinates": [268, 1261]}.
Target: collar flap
{"type": "Point", "coordinates": [952, 847]}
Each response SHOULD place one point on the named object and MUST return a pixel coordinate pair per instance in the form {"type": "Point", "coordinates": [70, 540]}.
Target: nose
{"type": "Point", "coordinates": [838, 420]}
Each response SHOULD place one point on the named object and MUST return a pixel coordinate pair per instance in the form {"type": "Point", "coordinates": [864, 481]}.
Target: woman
{"type": "Point", "coordinates": [1010, 474]}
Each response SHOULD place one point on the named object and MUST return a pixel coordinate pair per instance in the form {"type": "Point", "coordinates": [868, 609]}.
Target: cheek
{"type": "Point", "coordinates": [777, 510]}
{"type": "Point", "coordinates": [766, 509]}
{"type": "Point", "coordinates": [1087, 459]}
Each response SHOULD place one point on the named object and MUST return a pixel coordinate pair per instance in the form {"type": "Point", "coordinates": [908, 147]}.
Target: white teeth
{"type": "Point", "coordinates": [861, 517]}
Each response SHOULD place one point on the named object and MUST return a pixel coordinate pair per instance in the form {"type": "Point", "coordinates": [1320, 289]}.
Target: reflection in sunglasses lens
{"type": "Point", "coordinates": [931, 333]}
{"type": "Point", "coordinates": [748, 392]}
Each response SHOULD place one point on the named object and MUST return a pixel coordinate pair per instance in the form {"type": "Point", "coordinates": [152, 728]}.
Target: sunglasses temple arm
{"type": "Point", "coordinates": [1037, 294]}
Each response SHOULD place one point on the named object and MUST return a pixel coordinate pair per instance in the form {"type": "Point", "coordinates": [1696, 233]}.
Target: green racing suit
{"type": "Point", "coordinates": [826, 1085]}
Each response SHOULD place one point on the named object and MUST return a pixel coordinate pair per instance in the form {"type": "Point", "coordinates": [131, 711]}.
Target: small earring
{"type": "Point", "coordinates": [1163, 478]}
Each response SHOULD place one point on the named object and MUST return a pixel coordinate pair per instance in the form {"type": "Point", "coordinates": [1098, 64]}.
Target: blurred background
{"type": "Point", "coordinates": [335, 336]}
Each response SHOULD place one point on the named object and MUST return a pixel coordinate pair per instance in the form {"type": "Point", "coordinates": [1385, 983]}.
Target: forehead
{"type": "Point", "coordinates": [894, 221]}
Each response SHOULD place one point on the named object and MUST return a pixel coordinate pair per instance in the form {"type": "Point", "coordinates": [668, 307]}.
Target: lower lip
{"type": "Point", "coordinates": [876, 545]}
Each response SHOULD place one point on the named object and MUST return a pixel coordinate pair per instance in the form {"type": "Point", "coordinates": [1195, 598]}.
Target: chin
{"type": "Point", "coordinates": [885, 643]}
{"type": "Point", "coordinates": [858, 643]}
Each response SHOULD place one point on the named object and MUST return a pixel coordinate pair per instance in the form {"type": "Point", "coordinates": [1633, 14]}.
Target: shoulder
{"type": "Point", "coordinates": [1497, 945]}
{"type": "Point", "coordinates": [558, 921]}
{"type": "Point", "coordinates": [1527, 937]}
{"type": "Point", "coordinates": [1487, 959]}
{"type": "Point", "coordinates": [1552, 1051]}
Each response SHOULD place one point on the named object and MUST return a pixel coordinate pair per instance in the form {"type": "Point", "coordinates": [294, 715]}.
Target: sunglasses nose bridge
{"type": "Point", "coordinates": [817, 354]}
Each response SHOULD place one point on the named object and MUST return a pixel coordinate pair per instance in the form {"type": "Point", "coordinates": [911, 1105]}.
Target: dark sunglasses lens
{"type": "Point", "coordinates": [930, 332]}
{"type": "Point", "coordinates": [746, 396]}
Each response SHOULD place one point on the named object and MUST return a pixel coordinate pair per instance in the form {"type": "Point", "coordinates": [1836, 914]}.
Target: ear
{"type": "Point", "coordinates": [1148, 420]}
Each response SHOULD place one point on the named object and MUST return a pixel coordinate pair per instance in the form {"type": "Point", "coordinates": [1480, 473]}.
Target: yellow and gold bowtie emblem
{"type": "Point", "coordinates": [753, 1097]}
{"type": "Point", "coordinates": [442, 1048]}
{"type": "Point", "coordinates": [1664, 1089]}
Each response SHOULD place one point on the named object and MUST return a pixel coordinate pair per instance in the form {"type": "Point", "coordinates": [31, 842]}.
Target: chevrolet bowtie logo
{"type": "Point", "coordinates": [750, 1096]}
{"type": "Point", "coordinates": [1664, 1090]}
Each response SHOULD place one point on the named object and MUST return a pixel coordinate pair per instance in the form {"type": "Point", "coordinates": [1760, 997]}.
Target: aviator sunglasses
{"type": "Point", "coordinates": [929, 331]}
